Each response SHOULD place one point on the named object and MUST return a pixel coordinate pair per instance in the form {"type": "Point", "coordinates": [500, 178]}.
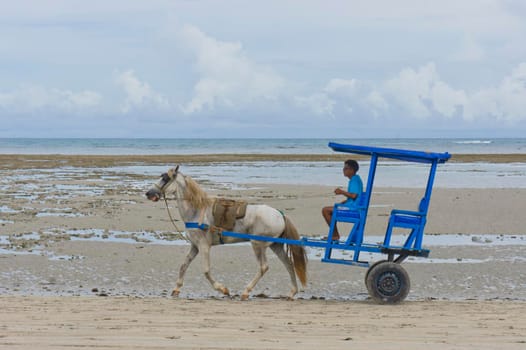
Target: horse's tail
{"type": "Point", "coordinates": [296, 253]}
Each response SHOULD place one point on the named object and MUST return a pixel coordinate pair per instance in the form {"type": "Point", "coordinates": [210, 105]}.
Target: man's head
{"type": "Point", "coordinates": [350, 167]}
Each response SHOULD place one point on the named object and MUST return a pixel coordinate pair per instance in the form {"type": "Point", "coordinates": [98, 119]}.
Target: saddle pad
{"type": "Point", "coordinates": [227, 211]}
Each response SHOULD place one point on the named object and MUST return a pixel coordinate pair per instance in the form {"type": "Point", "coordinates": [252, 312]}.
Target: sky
{"type": "Point", "coordinates": [223, 69]}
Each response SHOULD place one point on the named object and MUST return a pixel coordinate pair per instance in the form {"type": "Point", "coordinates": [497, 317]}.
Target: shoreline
{"type": "Point", "coordinates": [29, 161]}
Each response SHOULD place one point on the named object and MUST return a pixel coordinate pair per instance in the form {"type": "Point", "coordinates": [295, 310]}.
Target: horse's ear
{"type": "Point", "coordinates": [173, 172]}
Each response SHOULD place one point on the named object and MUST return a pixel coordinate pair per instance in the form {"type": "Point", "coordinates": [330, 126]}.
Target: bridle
{"type": "Point", "coordinates": [168, 180]}
{"type": "Point", "coordinates": [161, 189]}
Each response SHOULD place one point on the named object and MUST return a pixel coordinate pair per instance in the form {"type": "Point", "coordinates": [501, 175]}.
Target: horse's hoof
{"type": "Point", "coordinates": [244, 297]}
{"type": "Point", "coordinates": [175, 293]}
{"type": "Point", "coordinates": [225, 291]}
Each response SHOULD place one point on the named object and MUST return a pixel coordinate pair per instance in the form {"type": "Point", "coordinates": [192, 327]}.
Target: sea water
{"type": "Point", "coordinates": [138, 146]}
{"type": "Point", "coordinates": [389, 173]}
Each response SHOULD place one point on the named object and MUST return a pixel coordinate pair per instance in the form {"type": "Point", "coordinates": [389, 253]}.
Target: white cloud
{"type": "Point", "coordinates": [376, 103]}
{"type": "Point", "coordinates": [411, 89]}
{"type": "Point", "coordinates": [227, 77]}
{"type": "Point", "coordinates": [341, 87]}
{"type": "Point", "coordinates": [139, 94]}
{"type": "Point", "coordinates": [337, 93]}
{"type": "Point", "coordinates": [319, 103]}
{"type": "Point", "coordinates": [420, 93]}
{"type": "Point", "coordinates": [412, 93]}
{"type": "Point", "coordinates": [513, 95]}
{"type": "Point", "coordinates": [29, 98]}
{"type": "Point", "coordinates": [446, 100]}
{"type": "Point", "coordinates": [481, 103]}
{"type": "Point", "coordinates": [506, 102]}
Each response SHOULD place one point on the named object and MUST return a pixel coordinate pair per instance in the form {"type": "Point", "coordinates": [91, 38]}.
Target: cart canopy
{"type": "Point", "coordinates": [405, 155]}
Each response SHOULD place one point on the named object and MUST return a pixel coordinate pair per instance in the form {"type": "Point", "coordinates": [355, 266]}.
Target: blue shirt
{"type": "Point", "coordinates": [355, 186]}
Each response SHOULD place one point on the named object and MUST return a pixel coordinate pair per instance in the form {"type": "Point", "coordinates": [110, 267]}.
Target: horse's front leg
{"type": "Point", "coordinates": [205, 252]}
{"type": "Point", "coordinates": [259, 250]}
{"type": "Point", "coordinates": [182, 270]}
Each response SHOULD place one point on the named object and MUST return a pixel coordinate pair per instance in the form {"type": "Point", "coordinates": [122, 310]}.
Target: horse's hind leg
{"type": "Point", "coordinates": [259, 250]}
{"type": "Point", "coordinates": [277, 248]}
{"type": "Point", "coordinates": [182, 270]}
{"type": "Point", "coordinates": [205, 252]}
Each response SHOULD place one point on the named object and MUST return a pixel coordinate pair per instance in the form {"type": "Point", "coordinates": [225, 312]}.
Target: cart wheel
{"type": "Point", "coordinates": [388, 283]}
{"type": "Point", "coordinates": [369, 270]}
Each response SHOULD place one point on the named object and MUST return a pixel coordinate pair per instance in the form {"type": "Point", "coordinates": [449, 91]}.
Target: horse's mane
{"type": "Point", "coordinates": [195, 194]}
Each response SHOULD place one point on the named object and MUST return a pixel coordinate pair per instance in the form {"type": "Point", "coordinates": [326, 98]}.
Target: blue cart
{"type": "Point", "coordinates": [386, 280]}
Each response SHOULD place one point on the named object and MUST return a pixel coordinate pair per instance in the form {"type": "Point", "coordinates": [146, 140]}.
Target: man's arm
{"type": "Point", "coordinates": [345, 193]}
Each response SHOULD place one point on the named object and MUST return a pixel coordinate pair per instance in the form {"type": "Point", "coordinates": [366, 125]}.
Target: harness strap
{"type": "Point", "coordinates": [203, 227]}
{"type": "Point", "coordinates": [213, 229]}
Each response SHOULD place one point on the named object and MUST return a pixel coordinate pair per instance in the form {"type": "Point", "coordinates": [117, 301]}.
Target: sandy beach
{"type": "Point", "coordinates": [130, 323]}
{"type": "Point", "coordinates": [81, 265]}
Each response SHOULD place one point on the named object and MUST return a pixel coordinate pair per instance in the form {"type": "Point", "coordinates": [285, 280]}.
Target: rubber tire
{"type": "Point", "coordinates": [388, 283]}
{"type": "Point", "coordinates": [369, 270]}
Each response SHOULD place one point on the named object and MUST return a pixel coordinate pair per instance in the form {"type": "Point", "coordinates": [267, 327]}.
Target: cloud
{"type": "Point", "coordinates": [319, 103]}
{"type": "Point", "coordinates": [505, 102]}
{"type": "Point", "coordinates": [512, 95]}
{"type": "Point", "coordinates": [376, 104]}
{"type": "Point", "coordinates": [410, 89]}
{"type": "Point", "coordinates": [421, 94]}
{"type": "Point", "coordinates": [30, 98]}
{"type": "Point", "coordinates": [335, 95]}
{"type": "Point", "coordinates": [341, 86]}
{"type": "Point", "coordinates": [227, 77]}
{"type": "Point", "coordinates": [139, 94]}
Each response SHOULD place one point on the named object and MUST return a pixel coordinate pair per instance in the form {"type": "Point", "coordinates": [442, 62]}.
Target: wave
{"type": "Point", "coordinates": [465, 142]}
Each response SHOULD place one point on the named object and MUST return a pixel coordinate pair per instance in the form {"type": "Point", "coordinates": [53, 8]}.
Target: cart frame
{"type": "Point", "coordinates": [386, 280]}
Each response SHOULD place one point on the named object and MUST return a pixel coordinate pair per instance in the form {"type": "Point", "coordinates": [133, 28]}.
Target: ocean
{"type": "Point", "coordinates": [389, 174]}
{"type": "Point", "coordinates": [139, 146]}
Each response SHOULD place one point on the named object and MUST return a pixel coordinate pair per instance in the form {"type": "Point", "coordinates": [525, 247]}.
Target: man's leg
{"type": "Point", "coordinates": [327, 215]}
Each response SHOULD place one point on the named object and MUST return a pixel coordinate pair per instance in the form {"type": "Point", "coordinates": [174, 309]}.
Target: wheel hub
{"type": "Point", "coordinates": [389, 284]}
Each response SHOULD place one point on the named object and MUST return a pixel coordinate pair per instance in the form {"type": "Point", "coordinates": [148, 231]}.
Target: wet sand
{"type": "Point", "coordinates": [23, 161]}
{"type": "Point", "coordinates": [67, 279]}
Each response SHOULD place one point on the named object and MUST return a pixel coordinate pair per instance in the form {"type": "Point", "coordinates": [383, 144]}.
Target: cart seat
{"type": "Point", "coordinates": [343, 214]}
{"type": "Point", "coordinates": [413, 220]}
{"type": "Point", "coordinates": [402, 218]}
{"type": "Point", "coordinates": [354, 215]}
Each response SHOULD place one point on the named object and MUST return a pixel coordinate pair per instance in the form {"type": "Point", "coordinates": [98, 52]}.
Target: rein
{"type": "Point", "coordinates": [172, 219]}
{"type": "Point", "coordinates": [161, 189]}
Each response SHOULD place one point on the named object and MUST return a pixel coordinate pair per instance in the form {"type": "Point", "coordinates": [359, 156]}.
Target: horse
{"type": "Point", "coordinates": [195, 209]}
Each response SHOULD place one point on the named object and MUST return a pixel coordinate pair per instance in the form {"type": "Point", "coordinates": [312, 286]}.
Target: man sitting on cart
{"type": "Point", "coordinates": [352, 195]}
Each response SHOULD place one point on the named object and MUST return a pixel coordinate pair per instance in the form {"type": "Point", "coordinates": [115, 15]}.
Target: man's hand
{"type": "Point", "coordinates": [339, 191]}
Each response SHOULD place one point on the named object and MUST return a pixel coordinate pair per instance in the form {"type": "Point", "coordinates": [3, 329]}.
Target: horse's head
{"type": "Point", "coordinates": [159, 189]}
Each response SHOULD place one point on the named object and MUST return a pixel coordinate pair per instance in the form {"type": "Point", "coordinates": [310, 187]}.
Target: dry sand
{"type": "Point", "coordinates": [60, 293]}
{"type": "Point", "coordinates": [130, 323]}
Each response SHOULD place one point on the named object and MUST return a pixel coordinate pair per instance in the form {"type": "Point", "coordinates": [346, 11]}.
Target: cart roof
{"type": "Point", "coordinates": [405, 155]}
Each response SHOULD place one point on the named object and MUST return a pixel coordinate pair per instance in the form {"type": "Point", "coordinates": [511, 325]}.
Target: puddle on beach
{"type": "Point", "coordinates": [32, 243]}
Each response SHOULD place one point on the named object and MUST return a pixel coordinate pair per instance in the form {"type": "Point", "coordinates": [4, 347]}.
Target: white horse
{"type": "Point", "coordinates": [195, 209]}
